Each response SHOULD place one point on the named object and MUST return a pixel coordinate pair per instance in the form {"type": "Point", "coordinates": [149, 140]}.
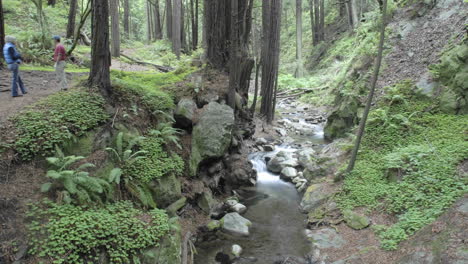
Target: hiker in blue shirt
{"type": "Point", "coordinates": [13, 59]}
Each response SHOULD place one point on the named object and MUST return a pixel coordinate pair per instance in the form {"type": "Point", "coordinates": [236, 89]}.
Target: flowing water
{"type": "Point", "coordinates": [278, 226]}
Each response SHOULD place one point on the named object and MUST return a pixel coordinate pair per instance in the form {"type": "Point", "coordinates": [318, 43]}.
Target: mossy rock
{"type": "Point", "coordinates": [168, 251]}
{"type": "Point", "coordinates": [214, 225]}
{"type": "Point", "coordinates": [166, 189]}
{"type": "Point", "coordinates": [80, 146]}
{"type": "Point", "coordinates": [355, 221]}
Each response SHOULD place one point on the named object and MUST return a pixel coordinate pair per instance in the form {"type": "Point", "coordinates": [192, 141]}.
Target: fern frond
{"type": "Point", "coordinates": [85, 166]}
{"type": "Point", "coordinates": [70, 185]}
{"type": "Point", "coordinates": [46, 187]}
{"type": "Point", "coordinates": [119, 143]}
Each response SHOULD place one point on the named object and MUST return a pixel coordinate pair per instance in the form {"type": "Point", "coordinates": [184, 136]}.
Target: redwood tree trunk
{"type": "Point", "coordinates": [157, 21]}
{"type": "Point", "coordinates": [299, 67]}
{"type": "Point", "coordinates": [169, 19]}
{"type": "Point", "coordinates": [177, 27]}
{"type": "Point", "coordinates": [99, 75]}
{"type": "Point", "coordinates": [72, 18]}
{"type": "Point", "coordinates": [126, 18]}
{"type": "Point", "coordinates": [194, 20]}
{"type": "Point", "coordinates": [115, 25]}
{"type": "Point", "coordinates": [270, 56]}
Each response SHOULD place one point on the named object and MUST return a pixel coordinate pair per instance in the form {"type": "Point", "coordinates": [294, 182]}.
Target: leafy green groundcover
{"type": "Point", "coordinates": [53, 120]}
{"type": "Point", "coordinates": [407, 164]}
{"type": "Point", "coordinates": [156, 163]}
{"type": "Point", "coordinates": [72, 234]}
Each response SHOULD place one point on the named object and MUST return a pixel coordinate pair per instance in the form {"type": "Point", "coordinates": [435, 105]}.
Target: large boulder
{"type": "Point", "coordinates": [166, 189]}
{"type": "Point", "coordinates": [355, 221]}
{"type": "Point", "coordinates": [212, 135]}
{"type": "Point", "coordinates": [306, 157]}
{"type": "Point", "coordinates": [314, 196]}
{"type": "Point", "coordinates": [235, 224]}
{"type": "Point", "coordinates": [288, 173]}
{"type": "Point", "coordinates": [280, 161]}
{"type": "Point", "coordinates": [185, 112]}
{"type": "Point", "coordinates": [344, 117]}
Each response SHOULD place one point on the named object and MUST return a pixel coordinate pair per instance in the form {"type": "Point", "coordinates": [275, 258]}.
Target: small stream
{"type": "Point", "coordinates": [278, 226]}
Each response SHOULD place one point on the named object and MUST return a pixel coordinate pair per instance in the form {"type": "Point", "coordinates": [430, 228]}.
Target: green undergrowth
{"type": "Point", "coordinates": [156, 163]}
{"type": "Point", "coordinates": [149, 88]}
{"type": "Point", "coordinates": [55, 119]}
{"type": "Point", "coordinates": [72, 234]}
{"type": "Point", "coordinates": [407, 164]}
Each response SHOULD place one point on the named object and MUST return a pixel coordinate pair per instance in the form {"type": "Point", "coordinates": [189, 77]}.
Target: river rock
{"type": "Point", "coordinates": [325, 238]}
{"type": "Point", "coordinates": [268, 148]}
{"type": "Point", "coordinates": [239, 208]}
{"type": "Point", "coordinates": [314, 196]}
{"type": "Point", "coordinates": [213, 225]}
{"type": "Point", "coordinates": [235, 224]}
{"type": "Point", "coordinates": [236, 250]}
{"type": "Point", "coordinates": [231, 202]}
{"type": "Point", "coordinates": [184, 112]}
{"type": "Point", "coordinates": [212, 135]}
{"type": "Point", "coordinates": [206, 201]}
{"type": "Point", "coordinates": [280, 161]}
{"type": "Point", "coordinates": [306, 157]}
{"type": "Point", "coordinates": [289, 173]}
{"type": "Point", "coordinates": [355, 221]}
{"type": "Point", "coordinates": [261, 141]}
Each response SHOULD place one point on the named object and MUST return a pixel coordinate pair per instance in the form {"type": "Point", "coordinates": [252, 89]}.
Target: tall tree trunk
{"type": "Point", "coordinates": [149, 22]}
{"type": "Point", "coordinates": [2, 32]}
{"type": "Point", "coordinates": [176, 27]}
{"type": "Point", "coordinates": [126, 18]}
{"type": "Point", "coordinates": [115, 25]}
{"type": "Point", "coordinates": [217, 16]}
{"type": "Point", "coordinates": [362, 124]}
{"type": "Point", "coordinates": [99, 75]}
{"type": "Point", "coordinates": [183, 38]}
{"type": "Point", "coordinates": [157, 21]}
{"type": "Point", "coordinates": [169, 19]}
{"type": "Point", "coordinates": [299, 67]}
{"type": "Point", "coordinates": [312, 22]}
{"type": "Point", "coordinates": [270, 56]}
{"type": "Point", "coordinates": [352, 13]}
{"type": "Point", "coordinates": [71, 18]}
{"type": "Point", "coordinates": [322, 20]}
{"type": "Point", "coordinates": [51, 2]}
{"type": "Point", "coordinates": [194, 18]}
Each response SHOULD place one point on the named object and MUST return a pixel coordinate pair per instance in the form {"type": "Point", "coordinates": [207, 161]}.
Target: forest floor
{"type": "Point", "coordinates": [39, 84]}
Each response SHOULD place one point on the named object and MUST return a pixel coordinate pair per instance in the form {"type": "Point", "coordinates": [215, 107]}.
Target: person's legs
{"type": "Point", "coordinates": [21, 85]}
{"type": "Point", "coordinates": [14, 86]}
{"type": "Point", "coordinates": [61, 78]}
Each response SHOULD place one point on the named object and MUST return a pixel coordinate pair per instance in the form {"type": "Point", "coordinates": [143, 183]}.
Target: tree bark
{"type": "Point", "coordinates": [270, 56]}
{"type": "Point", "coordinates": [176, 27]}
{"type": "Point", "coordinates": [157, 21]}
{"type": "Point", "coordinates": [299, 67]}
{"type": "Point", "coordinates": [99, 75]}
{"type": "Point", "coordinates": [115, 26]}
{"type": "Point", "coordinates": [149, 22]}
{"type": "Point", "coordinates": [51, 2]}
{"type": "Point", "coordinates": [2, 33]}
{"type": "Point", "coordinates": [126, 18]}
{"type": "Point", "coordinates": [72, 18]}
{"type": "Point", "coordinates": [183, 38]}
{"type": "Point", "coordinates": [375, 76]}
{"type": "Point", "coordinates": [169, 19]}
{"type": "Point", "coordinates": [194, 17]}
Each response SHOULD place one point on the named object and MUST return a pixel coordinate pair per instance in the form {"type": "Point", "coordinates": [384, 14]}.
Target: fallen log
{"type": "Point", "coordinates": [294, 92]}
{"type": "Point", "coordinates": [85, 38]}
{"type": "Point", "coordinates": [158, 67]}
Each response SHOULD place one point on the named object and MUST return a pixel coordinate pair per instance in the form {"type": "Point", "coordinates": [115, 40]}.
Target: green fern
{"type": "Point", "coordinates": [73, 185]}
{"type": "Point", "coordinates": [123, 151]}
{"type": "Point", "coordinates": [168, 133]}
